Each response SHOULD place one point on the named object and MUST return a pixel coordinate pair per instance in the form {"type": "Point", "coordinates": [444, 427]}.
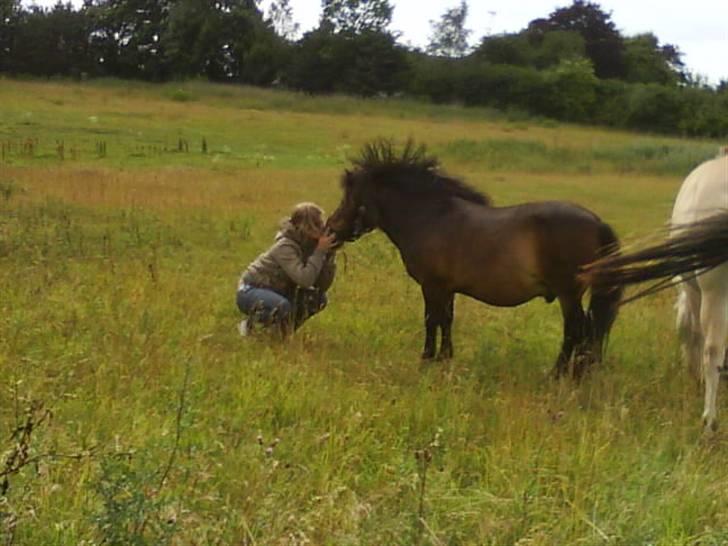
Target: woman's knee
{"type": "Point", "coordinates": [263, 304]}
{"type": "Point", "coordinates": [281, 310]}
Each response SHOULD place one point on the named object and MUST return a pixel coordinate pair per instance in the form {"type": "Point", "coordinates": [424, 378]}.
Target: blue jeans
{"type": "Point", "coordinates": [267, 307]}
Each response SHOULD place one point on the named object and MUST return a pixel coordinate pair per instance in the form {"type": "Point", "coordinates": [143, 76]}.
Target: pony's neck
{"type": "Point", "coordinates": [399, 218]}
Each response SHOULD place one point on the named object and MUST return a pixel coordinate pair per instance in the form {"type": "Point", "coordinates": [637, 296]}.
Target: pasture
{"type": "Point", "coordinates": [131, 412]}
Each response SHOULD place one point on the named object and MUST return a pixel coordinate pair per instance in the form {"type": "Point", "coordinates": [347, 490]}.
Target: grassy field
{"type": "Point", "coordinates": [132, 413]}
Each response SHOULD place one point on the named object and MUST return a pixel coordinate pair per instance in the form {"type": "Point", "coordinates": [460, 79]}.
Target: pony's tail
{"type": "Point", "coordinates": [605, 298]}
{"type": "Point", "coordinates": [691, 250]}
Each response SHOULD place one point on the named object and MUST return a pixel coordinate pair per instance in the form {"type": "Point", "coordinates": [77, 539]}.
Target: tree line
{"type": "Point", "coordinates": [573, 64]}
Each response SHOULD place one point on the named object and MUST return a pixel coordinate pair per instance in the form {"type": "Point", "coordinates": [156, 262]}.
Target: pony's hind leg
{"type": "Point", "coordinates": [574, 334]}
{"type": "Point", "coordinates": [688, 327]}
{"type": "Point", "coordinates": [714, 324]}
{"type": "Point", "coordinates": [431, 322]}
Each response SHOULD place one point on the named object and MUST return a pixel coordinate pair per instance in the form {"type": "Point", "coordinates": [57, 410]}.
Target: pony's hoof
{"type": "Point", "coordinates": [444, 355]}
{"type": "Point", "coordinates": [710, 425]}
{"type": "Point", "coordinates": [581, 365]}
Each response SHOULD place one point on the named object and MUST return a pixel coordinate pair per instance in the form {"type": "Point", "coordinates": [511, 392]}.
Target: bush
{"type": "Point", "coordinates": [655, 107]}
{"type": "Point", "coordinates": [502, 86]}
{"type": "Point", "coordinates": [611, 103]}
{"type": "Point", "coordinates": [706, 113]}
{"type": "Point", "coordinates": [570, 90]}
{"type": "Point", "coordinates": [180, 95]}
{"type": "Point", "coordinates": [435, 78]}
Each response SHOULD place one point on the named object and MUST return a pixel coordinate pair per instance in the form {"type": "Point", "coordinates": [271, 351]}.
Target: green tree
{"type": "Point", "coordinates": [536, 49]}
{"type": "Point", "coordinates": [449, 36]}
{"type": "Point", "coordinates": [603, 43]}
{"type": "Point", "coordinates": [355, 16]}
{"type": "Point", "coordinates": [512, 49]}
{"type": "Point", "coordinates": [570, 90]}
{"type": "Point", "coordinates": [649, 62]}
{"type": "Point", "coordinates": [363, 63]}
{"type": "Point", "coordinates": [221, 40]}
{"type": "Point", "coordinates": [557, 46]}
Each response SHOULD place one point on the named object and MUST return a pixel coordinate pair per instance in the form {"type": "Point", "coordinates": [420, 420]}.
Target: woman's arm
{"type": "Point", "coordinates": [328, 272]}
{"type": "Point", "coordinates": [288, 256]}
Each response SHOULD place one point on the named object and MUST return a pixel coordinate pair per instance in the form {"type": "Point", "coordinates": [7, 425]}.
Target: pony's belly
{"type": "Point", "coordinates": [511, 284]}
{"type": "Point", "coordinates": [507, 296]}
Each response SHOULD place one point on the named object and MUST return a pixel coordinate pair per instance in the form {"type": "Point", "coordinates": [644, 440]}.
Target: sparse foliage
{"type": "Point", "coordinates": [449, 36]}
{"type": "Point", "coordinates": [355, 16]}
{"type": "Point", "coordinates": [280, 14]}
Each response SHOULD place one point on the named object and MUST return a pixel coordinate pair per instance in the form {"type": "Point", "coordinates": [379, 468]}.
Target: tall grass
{"type": "Point", "coordinates": [117, 313]}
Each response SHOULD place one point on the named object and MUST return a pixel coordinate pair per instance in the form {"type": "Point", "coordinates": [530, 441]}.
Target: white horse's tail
{"type": "Point", "coordinates": [691, 250]}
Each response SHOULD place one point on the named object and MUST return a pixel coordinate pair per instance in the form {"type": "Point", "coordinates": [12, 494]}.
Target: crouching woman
{"type": "Point", "coordinates": [287, 283]}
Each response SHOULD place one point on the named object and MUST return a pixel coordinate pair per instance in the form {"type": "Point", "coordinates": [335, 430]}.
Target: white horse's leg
{"type": "Point", "coordinates": [688, 328]}
{"type": "Point", "coordinates": [714, 324]}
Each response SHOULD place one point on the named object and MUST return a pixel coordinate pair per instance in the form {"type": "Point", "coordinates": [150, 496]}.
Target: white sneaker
{"type": "Point", "coordinates": [243, 327]}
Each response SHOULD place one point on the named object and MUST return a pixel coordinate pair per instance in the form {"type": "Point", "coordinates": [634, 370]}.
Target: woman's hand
{"type": "Point", "coordinates": [326, 242]}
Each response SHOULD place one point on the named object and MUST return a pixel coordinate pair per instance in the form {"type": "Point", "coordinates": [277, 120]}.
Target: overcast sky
{"type": "Point", "coordinates": [698, 27]}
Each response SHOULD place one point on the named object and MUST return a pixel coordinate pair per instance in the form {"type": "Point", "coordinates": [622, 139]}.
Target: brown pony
{"type": "Point", "coordinates": [453, 240]}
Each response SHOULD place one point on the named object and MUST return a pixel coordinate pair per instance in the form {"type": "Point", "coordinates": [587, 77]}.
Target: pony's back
{"type": "Point", "coordinates": [703, 193]}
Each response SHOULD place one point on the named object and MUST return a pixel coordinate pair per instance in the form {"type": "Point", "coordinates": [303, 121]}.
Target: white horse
{"type": "Point", "coordinates": [695, 258]}
{"type": "Point", "coordinates": [702, 303]}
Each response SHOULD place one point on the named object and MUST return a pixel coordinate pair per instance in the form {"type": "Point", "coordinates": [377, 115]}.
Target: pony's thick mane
{"type": "Point", "coordinates": [412, 171]}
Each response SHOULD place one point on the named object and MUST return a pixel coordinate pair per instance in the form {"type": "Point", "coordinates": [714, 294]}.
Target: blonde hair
{"type": "Point", "coordinates": [308, 218]}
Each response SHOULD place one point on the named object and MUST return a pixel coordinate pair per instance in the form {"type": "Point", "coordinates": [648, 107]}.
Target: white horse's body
{"type": "Point", "coordinates": [702, 305]}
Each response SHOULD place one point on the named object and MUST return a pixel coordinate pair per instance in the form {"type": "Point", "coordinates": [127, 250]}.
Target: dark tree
{"type": "Point", "coordinates": [10, 13]}
{"type": "Point", "coordinates": [126, 37]}
{"type": "Point", "coordinates": [49, 42]}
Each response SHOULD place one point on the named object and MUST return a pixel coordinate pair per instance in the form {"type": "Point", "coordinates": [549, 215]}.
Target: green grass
{"type": "Point", "coordinates": [118, 276]}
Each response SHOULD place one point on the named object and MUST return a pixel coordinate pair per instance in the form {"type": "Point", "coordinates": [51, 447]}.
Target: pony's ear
{"type": "Point", "coordinates": [346, 178]}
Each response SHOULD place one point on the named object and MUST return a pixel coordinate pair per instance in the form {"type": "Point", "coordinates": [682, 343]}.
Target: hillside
{"type": "Point", "coordinates": [133, 413]}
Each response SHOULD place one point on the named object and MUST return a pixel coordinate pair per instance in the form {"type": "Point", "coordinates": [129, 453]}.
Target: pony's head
{"type": "Point", "coordinates": [354, 216]}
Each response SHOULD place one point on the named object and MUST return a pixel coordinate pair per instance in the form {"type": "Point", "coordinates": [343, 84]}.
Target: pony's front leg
{"type": "Point", "coordinates": [428, 352]}
{"type": "Point", "coordinates": [437, 303]}
{"type": "Point", "coordinates": [446, 350]}
{"type": "Point", "coordinates": [714, 324]}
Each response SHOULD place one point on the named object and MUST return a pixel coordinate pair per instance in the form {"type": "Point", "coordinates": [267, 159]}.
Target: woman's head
{"type": "Point", "coordinates": [308, 218]}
